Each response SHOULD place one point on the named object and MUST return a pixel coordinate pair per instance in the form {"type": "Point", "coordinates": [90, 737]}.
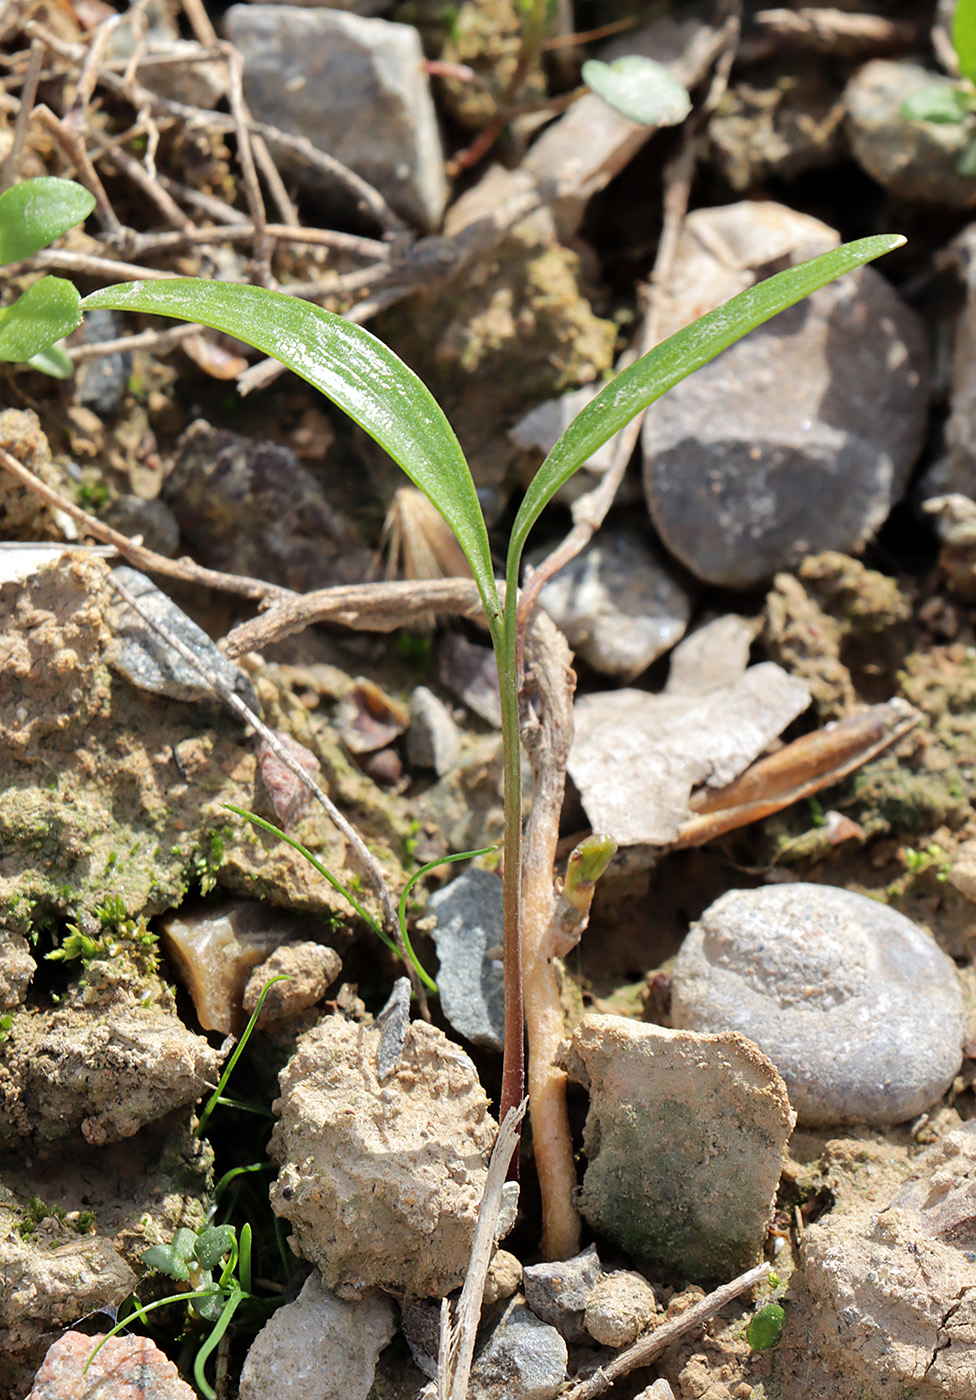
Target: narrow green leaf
{"type": "Point", "coordinates": [353, 369]}
{"type": "Point", "coordinates": [964, 37]}
{"type": "Point", "coordinates": [35, 212]}
{"type": "Point", "coordinates": [47, 311]}
{"type": "Point", "coordinates": [639, 88]}
{"type": "Point", "coordinates": [52, 361]}
{"type": "Point", "coordinates": [942, 105]}
{"type": "Point", "coordinates": [661, 368]}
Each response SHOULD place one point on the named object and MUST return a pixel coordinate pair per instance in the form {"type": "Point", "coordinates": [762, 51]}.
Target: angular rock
{"type": "Point", "coordinates": [636, 756]}
{"type": "Point", "coordinates": [894, 1289]}
{"type": "Point", "coordinates": [857, 1007]}
{"type": "Point", "coordinates": [250, 507]}
{"type": "Point", "coordinates": [320, 1347]}
{"type": "Point", "coordinates": [620, 1307]}
{"type": "Point", "coordinates": [290, 797]}
{"type": "Point", "coordinates": [557, 1292]}
{"type": "Point", "coordinates": [468, 937]}
{"type": "Point", "coordinates": [618, 602]}
{"type": "Point", "coordinates": [802, 435]}
{"type": "Point", "coordinates": [149, 663]}
{"type": "Point", "coordinates": [915, 160]}
{"type": "Point", "coordinates": [684, 1139]}
{"type": "Point", "coordinates": [522, 1356]}
{"type": "Point", "coordinates": [469, 672]}
{"type": "Point", "coordinates": [433, 739]}
{"type": "Point", "coordinates": [381, 1182]}
{"type": "Point", "coordinates": [100, 384]}
{"type": "Point", "coordinates": [132, 1367]}
{"type": "Point", "coordinates": [356, 89]}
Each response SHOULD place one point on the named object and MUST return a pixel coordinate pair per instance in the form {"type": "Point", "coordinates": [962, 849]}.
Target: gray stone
{"type": "Point", "coordinates": [100, 384]}
{"type": "Point", "coordinates": [468, 937]}
{"type": "Point", "coordinates": [557, 1292]}
{"type": "Point", "coordinates": [368, 8]}
{"type": "Point", "coordinates": [152, 520]}
{"type": "Point", "coordinates": [916, 160]}
{"type": "Point", "coordinates": [802, 435]}
{"type": "Point", "coordinates": [469, 672]}
{"type": "Point", "coordinates": [148, 663]}
{"type": "Point", "coordinates": [250, 507]}
{"type": "Point", "coordinates": [523, 1356]}
{"type": "Point", "coordinates": [684, 1140]}
{"type": "Point", "coordinates": [393, 1022]}
{"type": "Point", "coordinates": [713, 656]}
{"type": "Point", "coordinates": [857, 1007]}
{"type": "Point", "coordinates": [894, 1288]}
{"type": "Point", "coordinates": [620, 1307]}
{"type": "Point", "coordinates": [618, 602]}
{"type": "Point", "coordinates": [320, 1347]}
{"type": "Point", "coordinates": [356, 88]}
{"type": "Point", "coordinates": [433, 739]}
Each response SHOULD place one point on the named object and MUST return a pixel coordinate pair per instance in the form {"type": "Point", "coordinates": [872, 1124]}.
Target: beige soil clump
{"type": "Point", "coordinates": [381, 1181]}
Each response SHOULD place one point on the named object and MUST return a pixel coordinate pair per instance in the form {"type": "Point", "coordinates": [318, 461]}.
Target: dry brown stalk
{"type": "Point", "coordinates": [8, 173]}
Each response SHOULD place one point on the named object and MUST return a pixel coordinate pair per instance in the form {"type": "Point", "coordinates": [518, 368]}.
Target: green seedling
{"type": "Point", "coordinates": [764, 1330]}
{"type": "Point", "coordinates": [364, 378]}
{"type": "Point", "coordinates": [357, 904]}
{"type": "Point", "coordinates": [954, 106]}
{"type": "Point", "coordinates": [639, 88]}
{"type": "Point", "coordinates": [32, 215]}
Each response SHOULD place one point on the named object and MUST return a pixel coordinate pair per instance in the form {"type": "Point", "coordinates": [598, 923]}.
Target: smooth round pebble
{"type": "Point", "coordinates": [859, 1010]}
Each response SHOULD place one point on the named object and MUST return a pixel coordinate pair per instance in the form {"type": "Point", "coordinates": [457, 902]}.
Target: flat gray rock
{"type": "Point", "coordinates": [148, 663]}
{"type": "Point", "coordinates": [468, 936]}
{"type": "Point", "coordinates": [433, 739]}
{"type": "Point", "coordinates": [684, 1140]}
{"type": "Point", "coordinates": [618, 602]}
{"type": "Point", "coordinates": [859, 1010]}
{"type": "Point", "coordinates": [801, 436]}
{"type": "Point", "coordinates": [354, 87]}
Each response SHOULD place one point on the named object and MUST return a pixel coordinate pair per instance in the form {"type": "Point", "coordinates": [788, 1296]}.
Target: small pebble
{"type": "Point", "coordinates": [311, 969]}
{"type": "Point", "coordinates": [857, 1007]}
{"type": "Point", "coordinates": [557, 1292]}
{"type": "Point", "coordinates": [468, 936]}
{"type": "Point", "coordinates": [620, 1307]}
{"type": "Point", "coordinates": [126, 1368]}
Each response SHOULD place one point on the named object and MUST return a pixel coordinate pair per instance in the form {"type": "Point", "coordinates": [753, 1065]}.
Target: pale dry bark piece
{"type": "Point", "coordinates": [636, 757]}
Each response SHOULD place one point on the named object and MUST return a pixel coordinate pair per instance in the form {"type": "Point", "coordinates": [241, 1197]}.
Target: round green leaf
{"type": "Point", "coordinates": [46, 312]}
{"type": "Point", "coordinates": [639, 88]}
{"type": "Point", "coordinates": [35, 212]}
{"type": "Point", "coordinates": [213, 1243]}
{"type": "Point", "coordinates": [52, 361]}
{"type": "Point", "coordinates": [764, 1330]}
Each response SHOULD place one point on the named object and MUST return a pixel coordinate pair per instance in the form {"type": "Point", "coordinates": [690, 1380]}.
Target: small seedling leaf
{"type": "Point", "coordinates": [941, 105]}
{"type": "Point", "coordinates": [353, 369]}
{"type": "Point", "coordinates": [47, 311]}
{"type": "Point", "coordinates": [673, 360]}
{"type": "Point", "coordinates": [213, 1243]}
{"type": "Point", "coordinates": [35, 212]}
{"type": "Point", "coordinates": [52, 361]}
{"type": "Point", "coordinates": [964, 37]}
{"type": "Point", "coordinates": [764, 1330]}
{"type": "Point", "coordinates": [165, 1258]}
{"type": "Point", "coordinates": [639, 88]}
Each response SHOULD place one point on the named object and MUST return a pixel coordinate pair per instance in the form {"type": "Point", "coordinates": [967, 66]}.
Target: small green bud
{"type": "Point", "coordinates": [763, 1331]}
